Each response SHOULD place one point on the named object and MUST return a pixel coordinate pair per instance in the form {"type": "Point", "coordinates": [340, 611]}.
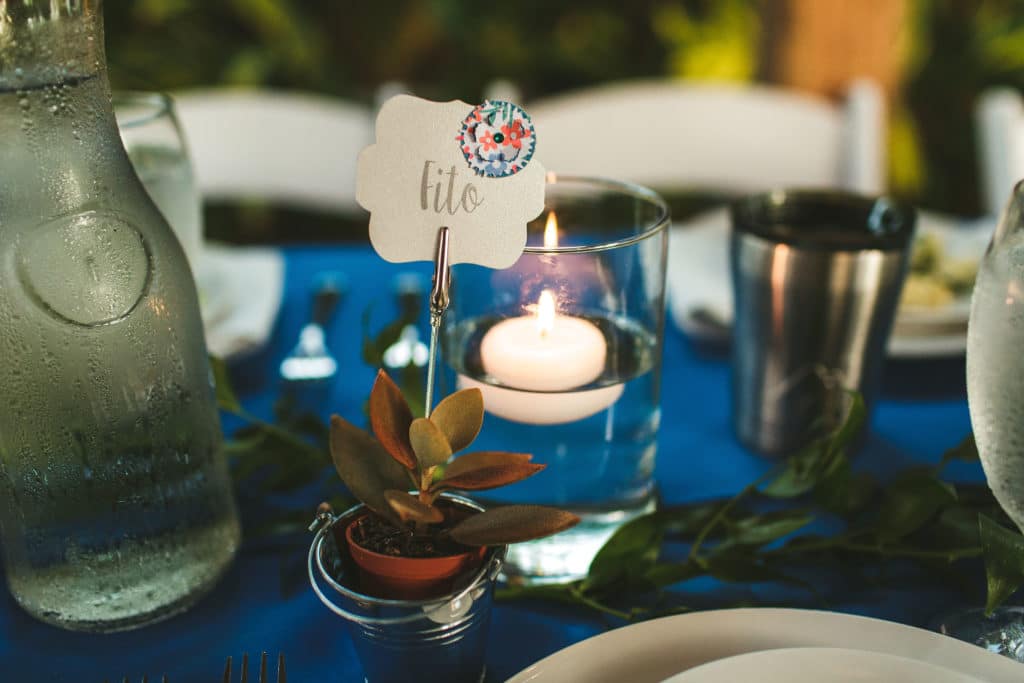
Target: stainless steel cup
{"type": "Point", "coordinates": [816, 279]}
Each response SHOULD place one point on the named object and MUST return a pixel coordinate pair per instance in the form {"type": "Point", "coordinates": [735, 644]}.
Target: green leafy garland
{"type": "Point", "coordinates": [771, 532]}
{"type": "Point", "coordinates": [809, 513]}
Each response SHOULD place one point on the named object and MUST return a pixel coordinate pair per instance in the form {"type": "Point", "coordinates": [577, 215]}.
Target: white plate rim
{"type": "Point", "coordinates": [808, 661]}
{"type": "Point", "coordinates": [666, 646]}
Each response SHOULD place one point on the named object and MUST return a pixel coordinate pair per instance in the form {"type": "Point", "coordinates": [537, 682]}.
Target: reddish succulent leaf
{"type": "Point", "coordinates": [460, 417]}
{"type": "Point", "coordinates": [428, 443]}
{"type": "Point", "coordinates": [365, 467]}
{"type": "Point", "coordinates": [512, 524]}
{"type": "Point", "coordinates": [390, 418]}
{"type": "Point", "coordinates": [486, 470]}
{"type": "Point", "coordinates": [411, 509]}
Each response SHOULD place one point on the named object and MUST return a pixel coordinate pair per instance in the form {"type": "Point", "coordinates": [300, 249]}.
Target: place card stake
{"type": "Point", "coordinates": [451, 183]}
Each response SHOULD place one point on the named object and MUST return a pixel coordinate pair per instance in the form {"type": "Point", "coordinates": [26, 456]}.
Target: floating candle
{"type": "Point", "coordinates": [546, 352]}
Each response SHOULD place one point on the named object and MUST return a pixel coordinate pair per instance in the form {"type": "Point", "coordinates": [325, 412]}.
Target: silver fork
{"type": "Point", "coordinates": [311, 360]}
{"type": "Point", "coordinates": [263, 678]}
{"type": "Point", "coordinates": [409, 348]}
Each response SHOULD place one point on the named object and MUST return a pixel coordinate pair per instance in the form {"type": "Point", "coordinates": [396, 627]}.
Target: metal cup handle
{"type": "Point", "coordinates": [488, 572]}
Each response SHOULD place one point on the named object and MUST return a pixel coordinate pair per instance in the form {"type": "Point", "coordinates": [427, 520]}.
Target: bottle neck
{"type": "Point", "coordinates": [57, 123]}
{"type": "Point", "coordinates": [49, 42]}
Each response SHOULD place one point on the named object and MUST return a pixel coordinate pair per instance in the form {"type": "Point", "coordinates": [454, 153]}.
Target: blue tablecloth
{"type": "Point", "coordinates": [922, 413]}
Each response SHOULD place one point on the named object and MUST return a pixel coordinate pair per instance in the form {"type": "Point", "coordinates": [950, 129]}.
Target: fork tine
{"type": "Point", "coordinates": [263, 668]}
{"type": "Point", "coordinates": [281, 676]}
{"type": "Point", "coordinates": [227, 671]}
{"type": "Point", "coordinates": [245, 668]}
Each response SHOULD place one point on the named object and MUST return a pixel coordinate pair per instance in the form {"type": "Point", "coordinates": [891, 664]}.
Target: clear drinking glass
{"type": "Point", "coordinates": [995, 393]}
{"type": "Point", "coordinates": [566, 347]}
{"type": "Point", "coordinates": [156, 146]}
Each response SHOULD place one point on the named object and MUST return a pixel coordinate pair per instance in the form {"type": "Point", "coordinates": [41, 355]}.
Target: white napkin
{"type": "Point", "coordinates": [698, 272]}
{"type": "Point", "coordinates": [240, 290]}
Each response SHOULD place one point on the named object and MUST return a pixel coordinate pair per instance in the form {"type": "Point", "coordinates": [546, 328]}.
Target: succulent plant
{"type": "Point", "coordinates": [417, 454]}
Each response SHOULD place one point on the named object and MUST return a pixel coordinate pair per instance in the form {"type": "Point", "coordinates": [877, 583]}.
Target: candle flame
{"type": "Point", "coordinates": [546, 312]}
{"type": "Point", "coordinates": [551, 231]}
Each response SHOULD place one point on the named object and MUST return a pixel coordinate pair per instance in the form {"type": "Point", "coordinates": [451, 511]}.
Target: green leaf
{"type": "Point", "coordinates": [738, 565]}
{"type": "Point", "coordinates": [686, 521]}
{"type": "Point", "coordinates": [375, 346]}
{"type": "Point", "coordinates": [910, 502]}
{"type": "Point", "coordinates": [460, 417]}
{"type": "Point", "coordinates": [667, 573]}
{"type": "Point", "coordinates": [800, 473]}
{"type": "Point", "coordinates": [226, 398]}
{"type": "Point", "coordinates": [842, 492]}
{"type": "Point", "coordinates": [965, 451]}
{"type": "Point", "coordinates": [1004, 561]}
{"type": "Point", "coordinates": [365, 467]}
{"type": "Point", "coordinates": [391, 418]}
{"type": "Point", "coordinates": [762, 529]}
{"type": "Point", "coordinates": [428, 443]}
{"type": "Point", "coordinates": [820, 460]}
{"type": "Point", "coordinates": [856, 414]}
{"type": "Point", "coordinates": [512, 524]}
{"type": "Point", "coordinates": [630, 552]}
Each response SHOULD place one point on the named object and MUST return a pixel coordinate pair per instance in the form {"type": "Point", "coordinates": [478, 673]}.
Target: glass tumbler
{"type": "Point", "coordinates": [566, 347]}
{"type": "Point", "coordinates": [156, 147]}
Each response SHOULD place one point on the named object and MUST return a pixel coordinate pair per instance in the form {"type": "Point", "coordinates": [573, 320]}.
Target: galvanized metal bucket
{"type": "Point", "coordinates": [442, 639]}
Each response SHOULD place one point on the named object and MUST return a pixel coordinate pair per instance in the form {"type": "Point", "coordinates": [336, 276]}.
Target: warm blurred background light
{"type": "Point", "coordinates": [932, 57]}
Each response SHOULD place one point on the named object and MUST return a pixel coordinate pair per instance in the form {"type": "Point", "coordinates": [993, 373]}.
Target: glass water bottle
{"type": "Point", "coordinates": [116, 507]}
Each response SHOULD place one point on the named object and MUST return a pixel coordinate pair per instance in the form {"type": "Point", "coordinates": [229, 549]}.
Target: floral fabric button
{"type": "Point", "coordinates": [497, 139]}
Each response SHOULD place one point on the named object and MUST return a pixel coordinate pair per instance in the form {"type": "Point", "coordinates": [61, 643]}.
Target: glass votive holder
{"type": "Point", "coordinates": [566, 347]}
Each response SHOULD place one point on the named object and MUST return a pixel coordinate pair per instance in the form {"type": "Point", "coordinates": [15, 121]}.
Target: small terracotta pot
{"type": "Point", "coordinates": [408, 578]}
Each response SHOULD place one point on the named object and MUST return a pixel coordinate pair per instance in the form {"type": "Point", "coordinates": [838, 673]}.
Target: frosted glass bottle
{"type": "Point", "coordinates": [115, 501]}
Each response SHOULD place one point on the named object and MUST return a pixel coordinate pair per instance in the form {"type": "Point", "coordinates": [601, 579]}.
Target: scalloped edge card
{"type": "Point", "coordinates": [471, 168]}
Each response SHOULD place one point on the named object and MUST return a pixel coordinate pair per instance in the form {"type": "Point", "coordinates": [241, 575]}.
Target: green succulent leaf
{"type": "Point", "coordinates": [512, 524]}
{"type": "Point", "coordinates": [428, 443]}
{"type": "Point", "coordinates": [486, 470]}
{"type": "Point", "coordinates": [365, 467]}
{"type": "Point", "coordinates": [390, 419]}
{"type": "Point", "coordinates": [1004, 561]}
{"type": "Point", "coordinates": [411, 509]}
{"type": "Point", "coordinates": [460, 416]}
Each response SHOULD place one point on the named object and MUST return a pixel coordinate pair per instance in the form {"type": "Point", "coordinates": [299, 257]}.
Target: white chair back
{"type": "Point", "coordinates": [999, 121]}
{"type": "Point", "coordinates": [733, 138]}
{"type": "Point", "coordinates": [295, 149]}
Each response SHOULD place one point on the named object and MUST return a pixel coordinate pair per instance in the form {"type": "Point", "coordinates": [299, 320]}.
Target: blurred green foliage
{"type": "Point", "coordinates": [454, 48]}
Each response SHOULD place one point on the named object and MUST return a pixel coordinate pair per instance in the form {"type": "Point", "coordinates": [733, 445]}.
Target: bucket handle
{"type": "Point", "coordinates": [489, 572]}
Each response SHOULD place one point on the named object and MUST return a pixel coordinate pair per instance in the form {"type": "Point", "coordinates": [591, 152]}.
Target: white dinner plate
{"type": "Point", "coordinates": [652, 651]}
{"type": "Point", "coordinates": [700, 294]}
{"type": "Point", "coordinates": [819, 665]}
